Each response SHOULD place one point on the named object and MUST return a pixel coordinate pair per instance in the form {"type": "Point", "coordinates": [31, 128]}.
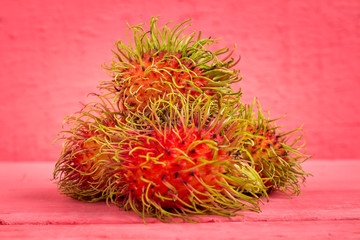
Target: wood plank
{"type": "Point", "coordinates": [28, 196]}
{"type": "Point", "coordinates": [161, 231]}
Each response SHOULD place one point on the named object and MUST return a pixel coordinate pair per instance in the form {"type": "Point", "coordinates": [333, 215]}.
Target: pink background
{"type": "Point", "coordinates": [300, 58]}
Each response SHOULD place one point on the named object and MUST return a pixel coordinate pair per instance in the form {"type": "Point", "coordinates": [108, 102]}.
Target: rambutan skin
{"type": "Point", "coordinates": [158, 75]}
{"type": "Point", "coordinates": [182, 165]}
{"type": "Point", "coordinates": [275, 155]}
{"type": "Point", "coordinates": [182, 160]}
{"type": "Point", "coordinates": [81, 170]}
{"type": "Point", "coordinates": [163, 61]}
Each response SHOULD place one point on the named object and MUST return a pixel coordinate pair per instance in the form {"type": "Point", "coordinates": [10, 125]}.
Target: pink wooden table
{"type": "Point", "coordinates": [329, 208]}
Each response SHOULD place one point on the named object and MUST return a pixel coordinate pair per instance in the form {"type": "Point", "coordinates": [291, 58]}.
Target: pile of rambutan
{"type": "Point", "coordinates": [167, 137]}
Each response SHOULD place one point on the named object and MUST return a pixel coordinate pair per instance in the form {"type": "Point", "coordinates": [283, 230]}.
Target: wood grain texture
{"type": "Point", "coordinates": [328, 208]}
{"type": "Point", "coordinates": [215, 231]}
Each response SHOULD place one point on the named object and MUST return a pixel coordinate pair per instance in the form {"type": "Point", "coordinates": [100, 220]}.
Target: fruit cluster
{"type": "Point", "coordinates": [168, 137]}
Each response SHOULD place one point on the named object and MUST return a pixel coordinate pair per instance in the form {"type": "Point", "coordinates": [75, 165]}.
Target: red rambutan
{"type": "Point", "coordinates": [81, 170]}
{"type": "Point", "coordinates": [163, 61]}
{"type": "Point", "coordinates": [179, 163]}
{"type": "Point", "coordinates": [276, 156]}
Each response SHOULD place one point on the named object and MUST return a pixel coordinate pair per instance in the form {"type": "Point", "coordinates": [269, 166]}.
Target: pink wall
{"type": "Point", "coordinates": [299, 58]}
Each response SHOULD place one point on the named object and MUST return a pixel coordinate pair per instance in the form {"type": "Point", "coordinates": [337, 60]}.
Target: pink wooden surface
{"type": "Point", "coordinates": [328, 208]}
{"type": "Point", "coordinates": [300, 58]}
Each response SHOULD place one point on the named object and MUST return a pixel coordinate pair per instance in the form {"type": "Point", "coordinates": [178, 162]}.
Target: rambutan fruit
{"type": "Point", "coordinates": [81, 169]}
{"type": "Point", "coordinates": [170, 138]}
{"type": "Point", "coordinates": [177, 163]}
{"type": "Point", "coordinates": [276, 156]}
{"type": "Point", "coordinates": [160, 61]}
